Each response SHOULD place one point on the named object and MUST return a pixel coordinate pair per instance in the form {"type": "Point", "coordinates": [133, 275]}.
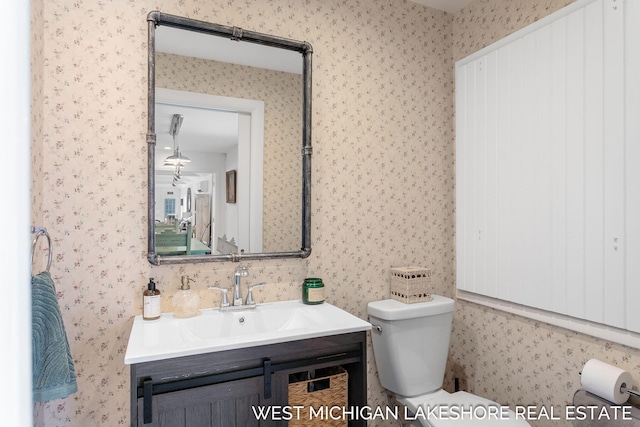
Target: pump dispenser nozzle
{"type": "Point", "coordinates": [185, 282]}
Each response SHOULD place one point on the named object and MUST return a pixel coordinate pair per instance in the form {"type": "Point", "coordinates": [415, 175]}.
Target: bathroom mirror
{"type": "Point", "coordinates": [229, 143]}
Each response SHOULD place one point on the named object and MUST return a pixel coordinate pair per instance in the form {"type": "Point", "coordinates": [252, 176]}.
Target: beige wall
{"type": "Point", "coordinates": [382, 184]}
{"type": "Point", "coordinates": [382, 167]}
{"type": "Point", "coordinates": [37, 87]}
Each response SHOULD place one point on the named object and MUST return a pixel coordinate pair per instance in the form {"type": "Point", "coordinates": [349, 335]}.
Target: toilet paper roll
{"type": "Point", "coordinates": [606, 381]}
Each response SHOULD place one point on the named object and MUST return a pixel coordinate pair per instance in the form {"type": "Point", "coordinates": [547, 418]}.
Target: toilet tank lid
{"type": "Point", "coordinates": [390, 309]}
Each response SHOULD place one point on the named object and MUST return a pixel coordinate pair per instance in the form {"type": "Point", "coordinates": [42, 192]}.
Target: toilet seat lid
{"type": "Point", "coordinates": [442, 409]}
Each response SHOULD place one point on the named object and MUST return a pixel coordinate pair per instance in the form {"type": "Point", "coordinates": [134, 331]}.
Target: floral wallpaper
{"type": "Point", "coordinates": [282, 96]}
{"type": "Point", "coordinates": [382, 183]}
{"type": "Point", "coordinates": [382, 168]}
{"type": "Point", "coordinates": [37, 88]}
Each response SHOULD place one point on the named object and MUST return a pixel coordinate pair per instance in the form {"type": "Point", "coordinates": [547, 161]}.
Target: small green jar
{"type": "Point", "coordinates": [313, 291]}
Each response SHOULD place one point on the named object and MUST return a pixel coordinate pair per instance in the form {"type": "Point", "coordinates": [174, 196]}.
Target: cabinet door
{"type": "Point", "coordinates": [227, 404]}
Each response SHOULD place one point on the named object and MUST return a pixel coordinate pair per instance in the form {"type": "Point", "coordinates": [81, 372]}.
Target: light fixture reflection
{"type": "Point", "coordinates": [177, 159]}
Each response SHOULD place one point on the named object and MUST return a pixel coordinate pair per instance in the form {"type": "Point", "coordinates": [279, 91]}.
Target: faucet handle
{"type": "Point", "coordinates": [225, 301]}
{"type": "Point", "coordinates": [250, 294]}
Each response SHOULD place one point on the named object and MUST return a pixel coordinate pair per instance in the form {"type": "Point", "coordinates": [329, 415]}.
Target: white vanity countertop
{"type": "Point", "coordinates": [213, 330]}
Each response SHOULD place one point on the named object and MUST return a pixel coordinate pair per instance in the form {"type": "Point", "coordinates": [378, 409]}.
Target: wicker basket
{"type": "Point", "coordinates": [410, 284]}
{"type": "Point", "coordinates": [328, 389]}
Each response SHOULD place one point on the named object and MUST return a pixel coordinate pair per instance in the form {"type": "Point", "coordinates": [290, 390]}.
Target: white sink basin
{"type": "Point", "coordinates": [213, 330]}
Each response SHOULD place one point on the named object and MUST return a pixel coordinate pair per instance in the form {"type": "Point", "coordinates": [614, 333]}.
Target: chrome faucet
{"type": "Point", "coordinates": [241, 271]}
{"type": "Point", "coordinates": [236, 302]}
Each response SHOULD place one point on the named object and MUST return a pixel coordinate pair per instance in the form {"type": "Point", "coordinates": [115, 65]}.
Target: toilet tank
{"type": "Point", "coordinates": [412, 344]}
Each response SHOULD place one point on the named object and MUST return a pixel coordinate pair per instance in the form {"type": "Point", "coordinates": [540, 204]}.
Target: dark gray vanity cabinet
{"type": "Point", "coordinates": [229, 388]}
{"type": "Point", "coordinates": [213, 405]}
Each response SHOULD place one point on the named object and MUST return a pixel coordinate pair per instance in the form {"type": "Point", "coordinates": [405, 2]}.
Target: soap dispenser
{"type": "Point", "coordinates": [185, 302]}
{"type": "Point", "coordinates": [151, 302]}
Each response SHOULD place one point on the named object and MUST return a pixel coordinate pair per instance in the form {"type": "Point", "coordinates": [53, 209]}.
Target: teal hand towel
{"type": "Point", "coordinates": [54, 375]}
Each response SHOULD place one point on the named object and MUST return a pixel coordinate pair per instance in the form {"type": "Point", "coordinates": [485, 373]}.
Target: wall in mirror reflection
{"type": "Point", "coordinates": [282, 96]}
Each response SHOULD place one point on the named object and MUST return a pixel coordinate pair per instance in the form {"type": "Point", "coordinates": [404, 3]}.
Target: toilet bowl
{"type": "Point", "coordinates": [410, 346]}
{"type": "Point", "coordinates": [459, 409]}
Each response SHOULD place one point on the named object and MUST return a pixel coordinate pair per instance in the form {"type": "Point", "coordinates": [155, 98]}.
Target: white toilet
{"type": "Point", "coordinates": [410, 345]}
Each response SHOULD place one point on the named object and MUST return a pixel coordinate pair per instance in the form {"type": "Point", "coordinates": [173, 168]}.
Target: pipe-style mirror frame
{"type": "Point", "coordinates": [157, 18]}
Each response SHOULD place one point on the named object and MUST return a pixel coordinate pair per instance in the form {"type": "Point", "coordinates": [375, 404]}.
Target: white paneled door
{"type": "Point", "coordinates": [548, 160]}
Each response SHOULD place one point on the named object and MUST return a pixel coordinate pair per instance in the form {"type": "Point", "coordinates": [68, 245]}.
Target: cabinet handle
{"type": "Point", "coordinates": [147, 401]}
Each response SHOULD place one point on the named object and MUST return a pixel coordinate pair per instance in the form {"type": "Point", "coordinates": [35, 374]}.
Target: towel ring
{"type": "Point", "coordinates": [41, 231]}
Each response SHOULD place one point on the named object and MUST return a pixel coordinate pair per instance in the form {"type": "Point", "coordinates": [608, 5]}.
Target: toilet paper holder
{"type": "Point", "coordinates": [624, 389]}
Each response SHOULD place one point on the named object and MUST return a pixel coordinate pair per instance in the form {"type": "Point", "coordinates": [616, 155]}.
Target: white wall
{"type": "Point", "coordinates": [16, 406]}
